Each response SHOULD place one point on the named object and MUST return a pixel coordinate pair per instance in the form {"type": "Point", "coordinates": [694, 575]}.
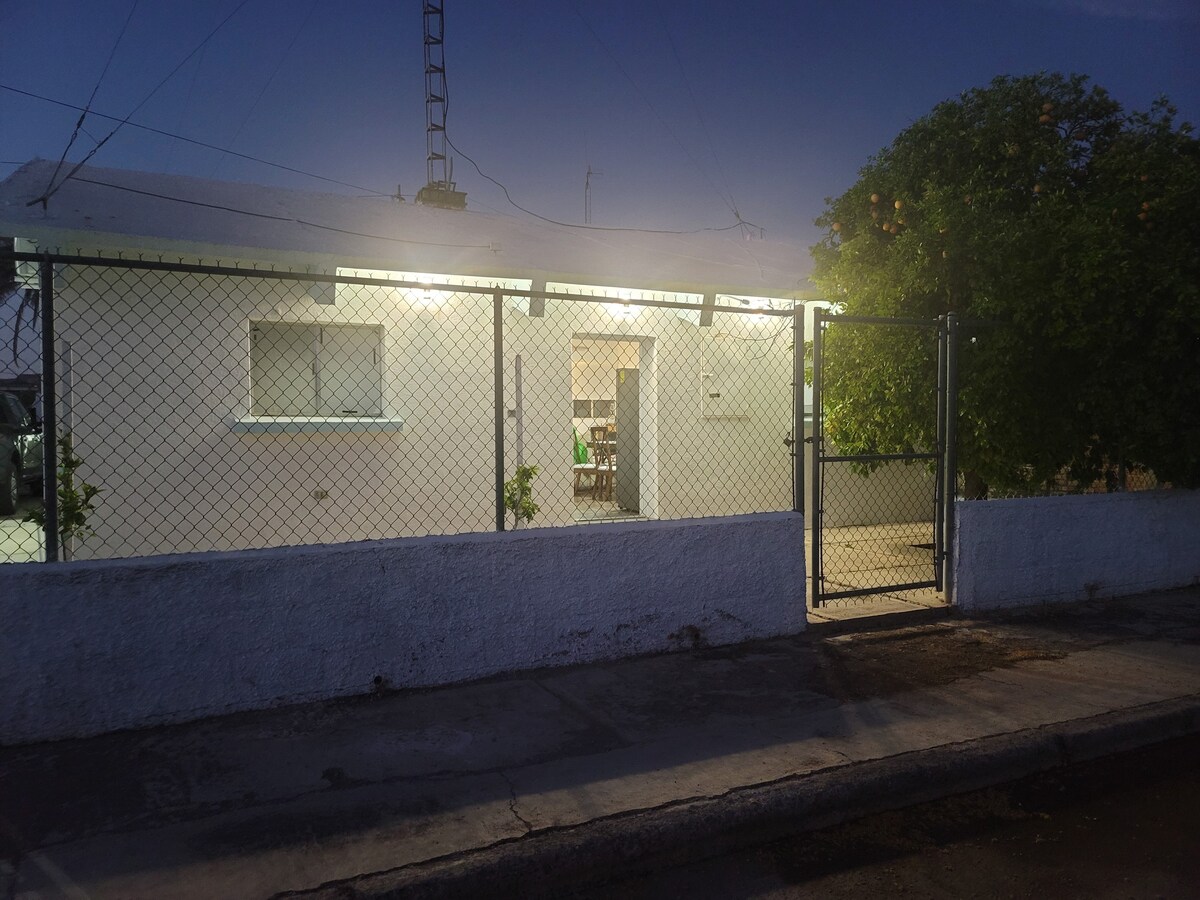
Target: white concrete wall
{"type": "Point", "coordinates": [91, 647]}
{"type": "Point", "coordinates": [160, 369]}
{"type": "Point", "coordinates": [1046, 549]}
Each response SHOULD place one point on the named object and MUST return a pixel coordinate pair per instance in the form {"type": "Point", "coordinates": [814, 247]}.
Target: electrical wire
{"type": "Point", "coordinates": [699, 112]}
{"type": "Point", "coordinates": [257, 215]}
{"type": "Point", "coordinates": [530, 212]}
{"type": "Point", "coordinates": [507, 196]}
{"type": "Point", "coordinates": [91, 99]}
{"type": "Point", "coordinates": [267, 84]}
{"type": "Point", "coordinates": [50, 192]}
{"type": "Point", "coordinates": [185, 106]}
{"type": "Point", "coordinates": [179, 137]}
{"type": "Point", "coordinates": [646, 99]}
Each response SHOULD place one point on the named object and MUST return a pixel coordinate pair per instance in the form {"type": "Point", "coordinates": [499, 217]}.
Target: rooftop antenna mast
{"type": "Point", "coordinates": [439, 189]}
{"type": "Point", "coordinates": [587, 194]}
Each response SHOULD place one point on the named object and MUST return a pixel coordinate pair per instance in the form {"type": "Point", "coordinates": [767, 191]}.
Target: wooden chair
{"type": "Point", "coordinates": [585, 470]}
{"type": "Point", "coordinates": [605, 457]}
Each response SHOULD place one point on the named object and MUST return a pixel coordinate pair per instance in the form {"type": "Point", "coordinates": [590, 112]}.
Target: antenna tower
{"type": "Point", "coordinates": [439, 189]}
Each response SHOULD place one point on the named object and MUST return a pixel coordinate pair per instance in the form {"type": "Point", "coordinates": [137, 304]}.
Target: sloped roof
{"type": "Point", "coordinates": [152, 212]}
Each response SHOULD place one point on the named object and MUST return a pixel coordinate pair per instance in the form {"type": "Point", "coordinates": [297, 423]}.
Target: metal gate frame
{"type": "Point", "coordinates": [943, 455]}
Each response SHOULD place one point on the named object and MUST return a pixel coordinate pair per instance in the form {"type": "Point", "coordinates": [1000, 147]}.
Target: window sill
{"type": "Point", "coordinates": [315, 425]}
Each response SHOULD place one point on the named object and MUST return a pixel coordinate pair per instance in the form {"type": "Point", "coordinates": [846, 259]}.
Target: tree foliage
{"type": "Point", "coordinates": [1065, 233]}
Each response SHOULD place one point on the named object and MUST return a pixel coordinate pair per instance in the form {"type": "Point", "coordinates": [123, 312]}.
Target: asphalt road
{"type": "Point", "coordinates": [1123, 827]}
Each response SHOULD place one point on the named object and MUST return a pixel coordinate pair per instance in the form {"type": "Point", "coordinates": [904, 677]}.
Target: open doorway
{"type": "Point", "coordinates": [613, 398]}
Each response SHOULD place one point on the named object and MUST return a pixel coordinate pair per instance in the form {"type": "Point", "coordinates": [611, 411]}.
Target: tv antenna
{"type": "Point", "coordinates": [587, 194]}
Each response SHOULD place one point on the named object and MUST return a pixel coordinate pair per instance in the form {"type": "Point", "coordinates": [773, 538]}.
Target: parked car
{"type": "Point", "coordinates": [20, 451]}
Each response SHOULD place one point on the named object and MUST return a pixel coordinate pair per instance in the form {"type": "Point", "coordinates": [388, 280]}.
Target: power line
{"type": "Point", "coordinates": [179, 137]}
{"type": "Point", "coordinates": [645, 99]}
{"type": "Point", "coordinates": [50, 192]}
{"type": "Point", "coordinates": [267, 84]}
{"type": "Point", "coordinates": [95, 90]}
{"type": "Point", "coordinates": [507, 196]}
{"type": "Point", "coordinates": [699, 112]}
{"type": "Point", "coordinates": [257, 215]}
{"type": "Point", "coordinates": [185, 106]}
{"type": "Point", "coordinates": [530, 212]}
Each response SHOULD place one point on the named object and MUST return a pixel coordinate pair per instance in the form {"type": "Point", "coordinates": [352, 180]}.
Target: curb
{"type": "Point", "coordinates": [552, 860]}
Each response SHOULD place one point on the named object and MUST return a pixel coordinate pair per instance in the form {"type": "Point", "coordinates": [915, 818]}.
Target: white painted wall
{"type": "Point", "coordinates": [1046, 549]}
{"type": "Point", "coordinates": [160, 369]}
{"type": "Point", "coordinates": [90, 647]}
{"type": "Point", "coordinates": [895, 492]}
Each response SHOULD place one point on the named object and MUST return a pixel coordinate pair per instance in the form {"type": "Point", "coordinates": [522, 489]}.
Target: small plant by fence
{"type": "Point", "coordinates": [213, 407]}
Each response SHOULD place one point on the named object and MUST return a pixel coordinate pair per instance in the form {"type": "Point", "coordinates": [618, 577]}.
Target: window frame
{"type": "Point", "coordinates": [318, 367]}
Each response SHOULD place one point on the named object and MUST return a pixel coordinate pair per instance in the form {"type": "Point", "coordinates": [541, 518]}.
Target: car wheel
{"type": "Point", "coordinates": [9, 486]}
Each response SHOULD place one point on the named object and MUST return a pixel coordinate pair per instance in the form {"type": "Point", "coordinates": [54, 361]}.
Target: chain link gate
{"type": "Point", "coordinates": [882, 522]}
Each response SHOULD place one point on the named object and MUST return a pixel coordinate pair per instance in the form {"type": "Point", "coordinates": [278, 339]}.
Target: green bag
{"type": "Point", "coordinates": [581, 455]}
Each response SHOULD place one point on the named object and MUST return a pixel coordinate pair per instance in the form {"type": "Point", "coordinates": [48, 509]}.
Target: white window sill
{"type": "Point", "coordinates": [315, 425]}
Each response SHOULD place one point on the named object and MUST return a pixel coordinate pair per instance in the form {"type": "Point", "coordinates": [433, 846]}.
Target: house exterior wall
{"type": "Point", "coordinates": [893, 493]}
{"type": "Point", "coordinates": [168, 639]}
{"type": "Point", "coordinates": [1046, 549]}
{"type": "Point", "coordinates": [155, 375]}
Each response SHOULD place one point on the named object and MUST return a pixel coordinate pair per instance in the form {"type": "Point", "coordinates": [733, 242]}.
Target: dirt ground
{"type": "Point", "coordinates": [1122, 827]}
{"type": "Point", "coordinates": [887, 662]}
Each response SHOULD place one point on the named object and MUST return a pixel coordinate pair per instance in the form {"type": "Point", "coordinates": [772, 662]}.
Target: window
{"type": "Point", "coordinates": [302, 369]}
{"type": "Point", "coordinates": [594, 409]}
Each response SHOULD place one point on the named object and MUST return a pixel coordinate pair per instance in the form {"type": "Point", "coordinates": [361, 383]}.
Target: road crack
{"type": "Point", "coordinates": [512, 802]}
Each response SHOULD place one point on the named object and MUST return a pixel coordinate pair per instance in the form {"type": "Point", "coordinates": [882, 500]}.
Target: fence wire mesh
{"type": "Point", "coordinates": [214, 409]}
{"type": "Point", "coordinates": [878, 446]}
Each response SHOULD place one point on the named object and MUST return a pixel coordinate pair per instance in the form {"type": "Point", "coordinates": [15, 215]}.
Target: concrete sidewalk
{"type": "Point", "coordinates": [533, 782]}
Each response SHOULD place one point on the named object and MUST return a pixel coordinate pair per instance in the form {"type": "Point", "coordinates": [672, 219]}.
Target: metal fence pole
{"type": "Point", "coordinates": [817, 446]}
{"type": "Point", "coordinates": [49, 413]}
{"type": "Point", "coordinates": [498, 398]}
{"type": "Point", "coordinates": [939, 481]}
{"type": "Point", "coordinates": [519, 411]}
{"type": "Point", "coordinates": [950, 485]}
{"type": "Point", "coordinates": [798, 409]}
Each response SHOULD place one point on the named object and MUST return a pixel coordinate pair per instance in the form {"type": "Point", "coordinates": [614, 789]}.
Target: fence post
{"type": "Point", "coordinates": [950, 483]}
{"type": "Point", "coordinates": [498, 399]}
{"type": "Point", "coordinates": [49, 412]}
{"type": "Point", "coordinates": [798, 408]}
{"type": "Point", "coordinates": [939, 479]}
{"type": "Point", "coordinates": [817, 448]}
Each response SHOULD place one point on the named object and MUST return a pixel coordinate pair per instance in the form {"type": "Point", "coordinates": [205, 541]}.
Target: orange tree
{"type": "Point", "coordinates": [1065, 233]}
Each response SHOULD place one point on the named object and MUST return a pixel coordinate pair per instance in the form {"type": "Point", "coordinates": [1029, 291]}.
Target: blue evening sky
{"type": "Point", "coordinates": [686, 108]}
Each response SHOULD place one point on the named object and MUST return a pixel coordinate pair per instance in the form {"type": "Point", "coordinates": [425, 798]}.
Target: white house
{"type": "Point", "coordinates": [223, 412]}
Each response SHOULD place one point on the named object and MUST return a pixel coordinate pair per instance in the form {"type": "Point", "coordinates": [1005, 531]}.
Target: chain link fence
{"type": "Point", "coordinates": [215, 408]}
